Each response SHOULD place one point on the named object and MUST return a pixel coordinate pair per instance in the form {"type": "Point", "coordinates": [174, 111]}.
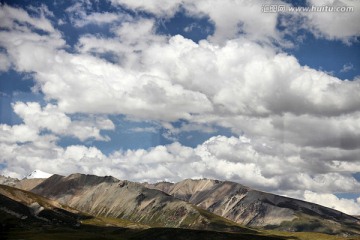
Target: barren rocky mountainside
{"type": "Point", "coordinates": [25, 215]}
{"type": "Point", "coordinates": [258, 209]}
{"type": "Point", "coordinates": [9, 181]}
{"type": "Point", "coordinates": [25, 184]}
{"type": "Point", "coordinates": [21, 208]}
{"type": "Point", "coordinates": [110, 197]}
{"type": "Point", "coordinates": [91, 207]}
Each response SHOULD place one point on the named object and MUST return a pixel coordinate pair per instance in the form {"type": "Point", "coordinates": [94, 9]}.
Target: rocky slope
{"type": "Point", "coordinates": [24, 184]}
{"type": "Point", "coordinates": [110, 197]}
{"type": "Point", "coordinates": [9, 181]}
{"type": "Point", "coordinates": [128, 210]}
{"type": "Point", "coordinates": [21, 208]}
{"type": "Point", "coordinates": [255, 208]}
{"type": "Point", "coordinates": [28, 184]}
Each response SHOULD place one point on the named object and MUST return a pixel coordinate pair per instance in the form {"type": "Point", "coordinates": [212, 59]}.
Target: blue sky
{"type": "Point", "coordinates": [161, 90]}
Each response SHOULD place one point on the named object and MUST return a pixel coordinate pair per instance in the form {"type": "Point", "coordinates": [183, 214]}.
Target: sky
{"type": "Point", "coordinates": [248, 91]}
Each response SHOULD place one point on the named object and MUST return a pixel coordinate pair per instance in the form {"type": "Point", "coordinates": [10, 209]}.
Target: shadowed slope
{"type": "Point", "coordinates": [21, 208]}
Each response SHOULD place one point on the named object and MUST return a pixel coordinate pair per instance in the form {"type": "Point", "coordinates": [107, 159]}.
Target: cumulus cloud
{"type": "Point", "coordinates": [348, 206]}
{"type": "Point", "coordinates": [343, 24]}
{"type": "Point", "coordinates": [11, 18]}
{"type": "Point", "coordinates": [5, 62]}
{"type": "Point", "coordinates": [234, 18]}
{"type": "Point", "coordinates": [133, 36]}
{"type": "Point", "coordinates": [25, 48]}
{"type": "Point", "coordinates": [80, 18]}
{"type": "Point", "coordinates": [49, 118]}
{"type": "Point", "coordinates": [262, 81]}
{"type": "Point", "coordinates": [301, 125]}
{"type": "Point", "coordinates": [231, 18]}
{"type": "Point", "coordinates": [252, 162]}
{"type": "Point", "coordinates": [97, 18]}
{"type": "Point", "coordinates": [248, 79]}
{"type": "Point", "coordinates": [161, 8]}
{"type": "Point", "coordinates": [36, 117]}
{"type": "Point", "coordinates": [18, 133]}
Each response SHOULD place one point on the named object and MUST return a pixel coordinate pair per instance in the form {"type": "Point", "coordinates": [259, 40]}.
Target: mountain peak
{"type": "Point", "coordinates": [38, 174]}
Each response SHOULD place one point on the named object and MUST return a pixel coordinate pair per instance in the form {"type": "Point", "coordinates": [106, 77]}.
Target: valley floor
{"type": "Point", "coordinates": [88, 232]}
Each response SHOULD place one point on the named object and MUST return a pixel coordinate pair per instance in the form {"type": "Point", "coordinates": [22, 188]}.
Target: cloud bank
{"type": "Point", "coordinates": [296, 129]}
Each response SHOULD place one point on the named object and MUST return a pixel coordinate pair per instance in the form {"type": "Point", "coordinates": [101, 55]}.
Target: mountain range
{"type": "Point", "coordinates": [254, 208]}
{"type": "Point", "coordinates": [78, 203]}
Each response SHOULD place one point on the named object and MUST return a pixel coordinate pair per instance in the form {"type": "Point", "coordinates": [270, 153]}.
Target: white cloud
{"type": "Point", "coordinates": [89, 127]}
{"type": "Point", "coordinates": [107, 88]}
{"type": "Point", "coordinates": [161, 7]}
{"type": "Point", "coordinates": [343, 24]}
{"type": "Point", "coordinates": [251, 162]}
{"type": "Point", "coordinates": [348, 206]}
{"type": "Point", "coordinates": [11, 18]}
{"type": "Point", "coordinates": [79, 152]}
{"type": "Point", "coordinates": [144, 129]}
{"type": "Point", "coordinates": [5, 62]}
{"type": "Point", "coordinates": [133, 36]}
{"type": "Point", "coordinates": [191, 78]}
{"type": "Point", "coordinates": [347, 67]}
{"type": "Point", "coordinates": [50, 118]}
{"type": "Point", "coordinates": [79, 15]}
{"type": "Point", "coordinates": [231, 18]}
{"type": "Point", "coordinates": [303, 123]}
{"type": "Point", "coordinates": [98, 18]}
{"type": "Point", "coordinates": [18, 133]}
{"type": "Point", "coordinates": [242, 85]}
{"type": "Point", "coordinates": [24, 47]}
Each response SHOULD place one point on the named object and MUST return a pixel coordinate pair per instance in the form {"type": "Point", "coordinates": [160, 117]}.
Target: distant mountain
{"type": "Point", "coordinates": [9, 181]}
{"type": "Point", "coordinates": [110, 197]}
{"type": "Point", "coordinates": [24, 184]}
{"type": "Point", "coordinates": [38, 174]}
{"type": "Point", "coordinates": [92, 207]}
{"type": "Point", "coordinates": [254, 208]}
{"type": "Point", "coordinates": [25, 215]}
{"type": "Point", "coordinates": [28, 184]}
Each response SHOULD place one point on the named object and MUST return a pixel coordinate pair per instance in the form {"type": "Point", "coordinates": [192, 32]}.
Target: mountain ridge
{"type": "Point", "coordinates": [186, 204]}
{"type": "Point", "coordinates": [114, 203]}
{"type": "Point", "coordinates": [255, 208]}
{"type": "Point", "coordinates": [111, 197]}
{"type": "Point", "coordinates": [23, 207]}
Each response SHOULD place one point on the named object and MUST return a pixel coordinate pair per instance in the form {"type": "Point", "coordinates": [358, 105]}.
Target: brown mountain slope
{"type": "Point", "coordinates": [25, 215]}
{"type": "Point", "coordinates": [22, 208]}
{"type": "Point", "coordinates": [9, 181]}
{"type": "Point", "coordinates": [254, 208]}
{"type": "Point", "coordinates": [28, 184]}
{"type": "Point", "coordinates": [110, 197]}
{"type": "Point", "coordinates": [25, 184]}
